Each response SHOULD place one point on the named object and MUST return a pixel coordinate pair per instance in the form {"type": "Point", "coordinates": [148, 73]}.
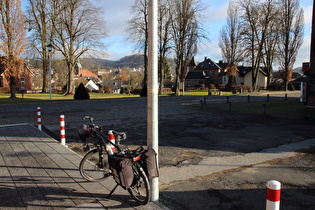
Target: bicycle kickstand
{"type": "Point", "coordinates": [111, 192]}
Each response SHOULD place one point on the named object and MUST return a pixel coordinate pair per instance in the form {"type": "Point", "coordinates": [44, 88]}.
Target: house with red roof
{"type": "Point", "coordinates": [25, 81]}
{"type": "Point", "coordinates": [93, 81]}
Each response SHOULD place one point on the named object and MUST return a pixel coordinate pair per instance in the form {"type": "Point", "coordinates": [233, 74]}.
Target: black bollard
{"type": "Point", "coordinates": [264, 108]}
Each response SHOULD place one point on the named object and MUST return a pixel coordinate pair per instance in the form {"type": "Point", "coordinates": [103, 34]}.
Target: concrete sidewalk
{"type": "Point", "coordinates": [39, 173]}
{"type": "Point", "coordinates": [212, 165]}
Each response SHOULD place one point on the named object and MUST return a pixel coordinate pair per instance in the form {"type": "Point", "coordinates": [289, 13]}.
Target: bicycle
{"type": "Point", "coordinates": [129, 168]}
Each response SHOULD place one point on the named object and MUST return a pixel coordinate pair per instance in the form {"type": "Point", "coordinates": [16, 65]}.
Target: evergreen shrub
{"type": "Point", "coordinates": [81, 93]}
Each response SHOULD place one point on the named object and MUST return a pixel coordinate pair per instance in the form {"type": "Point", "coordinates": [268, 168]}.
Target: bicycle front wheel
{"type": "Point", "coordinates": [140, 188]}
{"type": "Point", "coordinates": [94, 166]}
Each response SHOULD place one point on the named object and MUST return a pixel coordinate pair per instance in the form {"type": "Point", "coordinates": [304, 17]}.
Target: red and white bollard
{"type": "Point", "coordinates": [111, 137]}
{"type": "Point", "coordinates": [39, 119]}
{"type": "Point", "coordinates": [62, 130]}
{"type": "Point", "coordinates": [273, 195]}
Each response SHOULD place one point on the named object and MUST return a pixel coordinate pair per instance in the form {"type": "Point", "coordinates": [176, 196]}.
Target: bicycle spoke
{"type": "Point", "coordinates": [92, 169]}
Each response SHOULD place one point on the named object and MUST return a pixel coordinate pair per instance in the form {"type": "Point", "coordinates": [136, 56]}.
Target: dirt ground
{"type": "Point", "coordinates": [245, 188]}
{"type": "Point", "coordinates": [187, 139]}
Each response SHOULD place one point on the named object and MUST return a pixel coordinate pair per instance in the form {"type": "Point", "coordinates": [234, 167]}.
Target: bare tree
{"type": "Point", "coordinates": [164, 39]}
{"type": "Point", "coordinates": [41, 16]}
{"type": "Point", "coordinates": [185, 36]}
{"type": "Point", "coordinates": [13, 40]}
{"type": "Point", "coordinates": [270, 54]}
{"type": "Point", "coordinates": [291, 36]}
{"type": "Point", "coordinates": [138, 29]}
{"type": "Point", "coordinates": [257, 16]}
{"type": "Point", "coordinates": [231, 42]}
{"type": "Point", "coordinates": [78, 28]}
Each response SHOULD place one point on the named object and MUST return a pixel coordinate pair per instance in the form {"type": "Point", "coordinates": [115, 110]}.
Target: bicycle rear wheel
{"type": "Point", "coordinates": [94, 166]}
{"type": "Point", "coordinates": [140, 188]}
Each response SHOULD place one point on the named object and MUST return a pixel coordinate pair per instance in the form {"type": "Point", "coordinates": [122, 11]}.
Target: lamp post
{"type": "Point", "coordinates": [50, 48]}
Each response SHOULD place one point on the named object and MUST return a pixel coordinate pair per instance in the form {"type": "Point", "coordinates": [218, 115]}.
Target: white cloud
{"type": "Point", "coordinates": [216, 12]}
{"type": "Point", "coordinates": [304, 52]}
{"type": "Point", "coordinates": [118, 47]}
{"type": "Point", "coordinates": [117, 13]}
{"type": "Point", "coordinates": [308, 15]}
{"type": "Point", "coordinates": [210, 50]}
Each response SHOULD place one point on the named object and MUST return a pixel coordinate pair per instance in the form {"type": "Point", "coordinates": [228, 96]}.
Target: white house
{"type": "Point", "coordinates": [91, 86]}
{"type": "Point", "coordinates": [244, 77]}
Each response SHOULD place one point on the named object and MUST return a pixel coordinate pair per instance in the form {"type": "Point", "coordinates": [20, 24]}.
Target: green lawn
{"type": "Point", "coordinates": [34, 97]}
{"type": "Point", "coordinates": [280, 108]}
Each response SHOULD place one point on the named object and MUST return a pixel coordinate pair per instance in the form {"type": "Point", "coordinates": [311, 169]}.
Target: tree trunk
{"type": "Point", "coordinates": [13, 87]}
{"type": "Point", "coordinates": [161, 74]}
{"type": "Point", "coordinates": [183, 87]}
{"type": "Point", "coordinates": [46, 83]}
{"type": "Point", "coordinates": [286, 84]}
{"type": "Point", "coordinates": [177, 86]}
{"type": "Point", "coordinates": [231, 81]}
{"type": "Point", "coordinates": [70, 82]}
{"type": "Point", "coordinates": [144, 81]}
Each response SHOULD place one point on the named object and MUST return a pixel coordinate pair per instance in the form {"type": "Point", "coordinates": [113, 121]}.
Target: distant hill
{"type": "Point", "coordinates": [132, 61]}
{"type": "Point", "coordinates": [298, 69]}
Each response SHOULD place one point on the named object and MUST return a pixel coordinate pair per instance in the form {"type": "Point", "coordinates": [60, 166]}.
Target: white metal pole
{"type": "Point", "coordinates": [152, 133]}
{"type": "Point", "coordinates": [50, 88]}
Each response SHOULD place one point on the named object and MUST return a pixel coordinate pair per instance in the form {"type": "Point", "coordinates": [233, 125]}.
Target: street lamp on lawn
{"type": "Point", "coordinates": [50, 48]}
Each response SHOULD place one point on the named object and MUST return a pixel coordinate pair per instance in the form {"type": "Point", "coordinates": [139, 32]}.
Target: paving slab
{"type": "Point", "coordinates": [40, 173]}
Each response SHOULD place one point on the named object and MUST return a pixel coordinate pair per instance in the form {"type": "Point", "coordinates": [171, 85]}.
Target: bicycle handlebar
{"type": "Point", "coordinates": [89, 118]}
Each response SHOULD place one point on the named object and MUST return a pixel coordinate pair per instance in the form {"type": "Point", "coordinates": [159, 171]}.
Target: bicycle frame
{"type": "Point", "coordinates": [139, 188]}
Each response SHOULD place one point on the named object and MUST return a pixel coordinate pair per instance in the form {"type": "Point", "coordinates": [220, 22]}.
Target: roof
{"type": "Point", "coordinates": [243, 70]}
{"type": "Point", "coordinates": [193, 62]}
{"type": "Point", "coordinates": [91, 85]}
{"type": "Point", "coordinates": [208, 64]}
{"type": "Point", "coordinates": [300, 79]}
{"type": "Point", "coordinates": [79, 65]}
{"type": "Point", "coordinates": [197, 75]}
{"type": "Point", "coordinates": [88, 73]}
{"type": "Point", "coordinates": [222, 65]}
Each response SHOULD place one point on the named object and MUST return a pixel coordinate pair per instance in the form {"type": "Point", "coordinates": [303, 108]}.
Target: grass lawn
{"type": "Point", "coordinates": [34, 97]}
{"type": "Point", "coordinates": [279, 108]}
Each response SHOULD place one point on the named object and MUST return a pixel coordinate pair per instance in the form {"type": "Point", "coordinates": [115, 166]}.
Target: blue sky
{"type": "Point", "coordinates": [118, 12]}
